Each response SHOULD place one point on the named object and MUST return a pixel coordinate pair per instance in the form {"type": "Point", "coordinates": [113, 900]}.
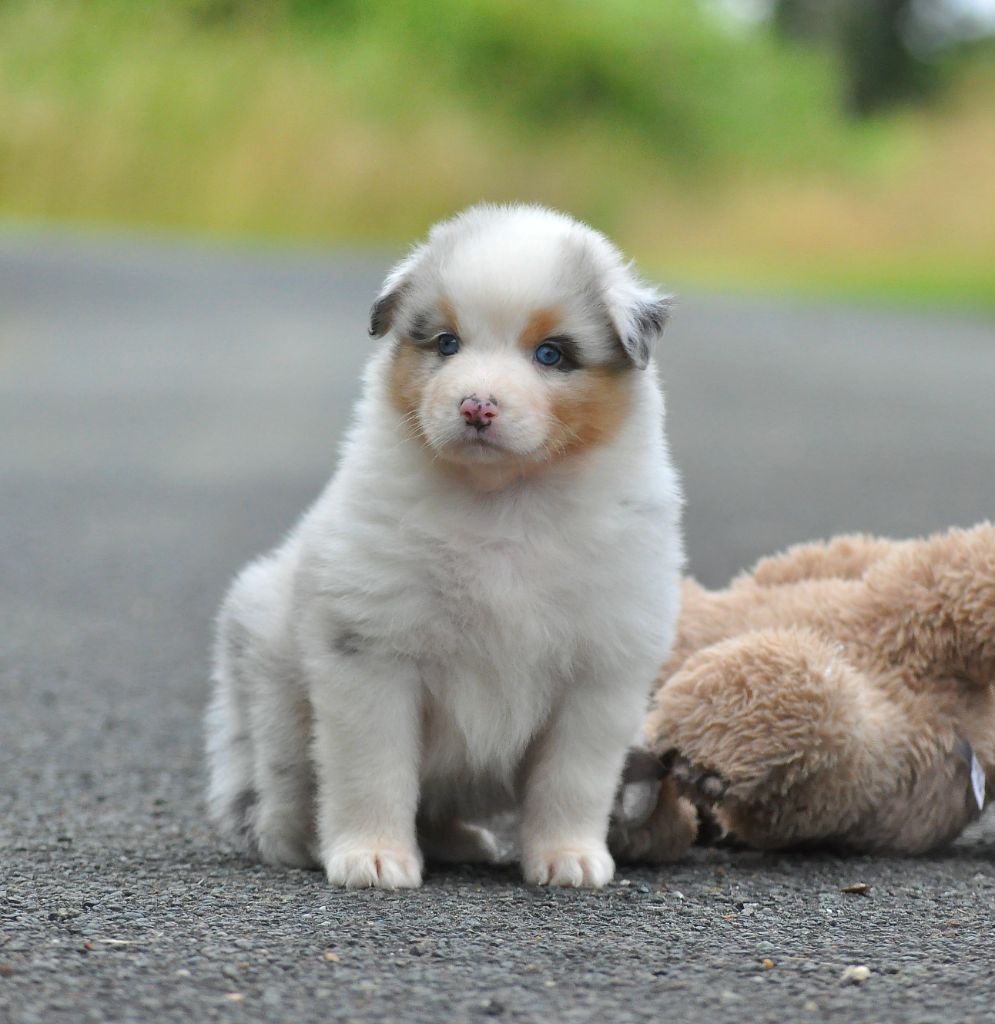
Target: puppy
{"type": "Point", "coordinates": [470, 617]}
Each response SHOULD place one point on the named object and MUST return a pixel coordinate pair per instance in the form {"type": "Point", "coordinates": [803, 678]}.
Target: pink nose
{"type": "Point", "coordinates": [478, 412]}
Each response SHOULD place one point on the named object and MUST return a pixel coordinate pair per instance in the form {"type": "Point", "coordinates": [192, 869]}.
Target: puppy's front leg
{"type": "Point", "coordinates": [571, 785]}
{"type": "Point", "coordinates": [367, 723]}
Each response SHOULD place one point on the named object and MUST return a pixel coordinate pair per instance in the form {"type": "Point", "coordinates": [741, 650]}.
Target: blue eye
{"type": "Point", "coordinates": [548, 355]}
{"type": "Point", "coordinates": [448, 344]}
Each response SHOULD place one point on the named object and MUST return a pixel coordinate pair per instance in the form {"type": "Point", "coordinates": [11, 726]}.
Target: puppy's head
{"type": "Point", "coordinates": [517, 333]}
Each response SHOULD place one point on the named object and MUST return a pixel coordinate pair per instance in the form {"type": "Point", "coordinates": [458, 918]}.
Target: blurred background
{"type": "Point", "coordinates": [838, 147]}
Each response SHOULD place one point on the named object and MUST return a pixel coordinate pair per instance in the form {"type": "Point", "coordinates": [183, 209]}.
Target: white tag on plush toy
{"type": "Point", "coordinates": [978, 781]}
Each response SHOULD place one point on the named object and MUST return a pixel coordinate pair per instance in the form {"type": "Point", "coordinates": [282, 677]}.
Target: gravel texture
{"type": "Point", "coordinates": [165, 412]}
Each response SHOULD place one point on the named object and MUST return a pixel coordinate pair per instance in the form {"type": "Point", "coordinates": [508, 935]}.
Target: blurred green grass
{"type": "Point", "coordinates": [716, 157]}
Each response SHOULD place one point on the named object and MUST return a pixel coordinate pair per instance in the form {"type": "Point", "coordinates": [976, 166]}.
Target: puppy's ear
{"type": "Point", "coordinates": [638, 314]}
{"type": "Point", "coordinates": [392, 291]}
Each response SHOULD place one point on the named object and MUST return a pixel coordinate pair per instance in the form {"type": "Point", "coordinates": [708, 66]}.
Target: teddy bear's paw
{"type": "Point", "coordinates": [702, 785]}
{"type": "Point", "coordinates": [711, 831]}
{"type": "Point", "coordinates": [663, 837]}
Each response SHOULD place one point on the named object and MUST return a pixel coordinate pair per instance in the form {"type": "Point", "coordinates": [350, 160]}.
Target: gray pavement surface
{"type": "Point", "coordinates": [166, 411]}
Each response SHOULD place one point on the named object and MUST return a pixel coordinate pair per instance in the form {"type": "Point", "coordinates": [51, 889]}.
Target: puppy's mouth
{"type": "Point", "coordinates": [471, 444]}
{"type": "Point", "coordinates": [473, 436]}
{"type": "Point", "coordinates": [479, 443]}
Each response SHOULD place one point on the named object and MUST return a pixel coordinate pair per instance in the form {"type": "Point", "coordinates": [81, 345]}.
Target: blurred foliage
{"type": "Point", "coordinates": [872, 40]}
{"type": "Point", "coordinates": [711, 151]}
{"type": "Point", "coordinates": [663, 70]}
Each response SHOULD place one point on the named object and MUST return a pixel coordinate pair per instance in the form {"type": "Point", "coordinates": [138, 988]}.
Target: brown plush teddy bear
{"type": "Point", "coordinates": [841, 694]}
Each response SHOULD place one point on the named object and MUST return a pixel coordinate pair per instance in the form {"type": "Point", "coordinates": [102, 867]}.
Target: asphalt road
{"type": "Point", "coordinates": [165, 413]}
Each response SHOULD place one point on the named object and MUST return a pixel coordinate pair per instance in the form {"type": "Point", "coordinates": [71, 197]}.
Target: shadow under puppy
{"type": "Point", "coordinates": [470, 618]}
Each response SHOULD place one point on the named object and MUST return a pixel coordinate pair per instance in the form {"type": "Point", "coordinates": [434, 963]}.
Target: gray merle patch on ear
{"type": "Point", "coordinates": [652, 317]}
{"type": "Point", "coordinates": [645, 323]}
{"type": "Point", "coordinates": [382, 314]}
{"type": "Point", "coordinates": [395, 285]}
{"type": "Point", "coordinates": [637, 313]}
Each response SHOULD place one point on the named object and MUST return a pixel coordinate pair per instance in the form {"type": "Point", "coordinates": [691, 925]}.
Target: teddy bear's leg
{"type": "Point", "coordinates": [781, 735]}
{"type": "Point", "coordinates": [844, 558]}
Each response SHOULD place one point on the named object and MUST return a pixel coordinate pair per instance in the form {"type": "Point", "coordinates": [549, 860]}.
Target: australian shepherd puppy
{"type": "Point", "coordinates": [471, 616]}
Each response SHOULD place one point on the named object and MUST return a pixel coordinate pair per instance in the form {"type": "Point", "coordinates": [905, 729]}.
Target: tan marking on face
{"type": "Point", "coordinates": [408, 374]}
{"type": "Point", "coordinates": [591, 412]}
{"type": "Point", "coordinates": [539, 326]}
{"type": "Point", "coordinates": [406, 384]}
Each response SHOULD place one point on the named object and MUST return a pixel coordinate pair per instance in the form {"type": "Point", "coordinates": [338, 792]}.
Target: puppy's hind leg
{"type": "Point", "coordinates": [260, 792]}
{"type": "Point", "coordinates": [281, 728]}
{"type": "Point", "coordinates": [231, 790]}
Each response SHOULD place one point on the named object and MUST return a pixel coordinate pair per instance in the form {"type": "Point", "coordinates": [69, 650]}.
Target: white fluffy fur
{"type": "Point", "coordinates": [433, 644]}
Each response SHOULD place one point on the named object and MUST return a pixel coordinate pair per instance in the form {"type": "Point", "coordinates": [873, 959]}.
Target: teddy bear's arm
{"type": "Point", "coordinates": [846, 558]}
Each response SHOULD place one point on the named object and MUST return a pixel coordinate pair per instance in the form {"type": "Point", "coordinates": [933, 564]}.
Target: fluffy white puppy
{"type": "Point", "coordinates": [470, 617]}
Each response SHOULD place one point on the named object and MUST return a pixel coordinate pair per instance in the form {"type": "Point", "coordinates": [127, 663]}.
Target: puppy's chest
{"type": "Point", "coordinates": [499, 597]}
{"type": "Point", "coordinates": [497, 644]}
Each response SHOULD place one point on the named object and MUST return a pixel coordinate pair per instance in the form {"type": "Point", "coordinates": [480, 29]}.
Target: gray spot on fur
{"type": "Point", "coordinates": [242, 813]}
{"type": "Point", "coordinates": [286, 770]}
{"type": "Point", "coordinates": [648, 508]}
{"type": "Point", "coordinates": [238, 641]}
{"type": "Point", "coordinates": [348, 642]}
{"type": "Point", "coordinates": [418, 328]}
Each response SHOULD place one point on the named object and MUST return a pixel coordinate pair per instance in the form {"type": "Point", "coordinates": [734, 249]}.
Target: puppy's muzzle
{"type": "Point", "coordinates": [479, 413]}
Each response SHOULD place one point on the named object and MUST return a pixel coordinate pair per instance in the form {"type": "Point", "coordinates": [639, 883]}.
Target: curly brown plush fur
{"type": "Point", "coordinates": [835, 695]}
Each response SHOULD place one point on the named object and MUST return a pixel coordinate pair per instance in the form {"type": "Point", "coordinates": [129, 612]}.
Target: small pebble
{"type": "Point", "coordinates": [857, 889]}
{"type": "Point", "coordinates": [768, 964]}
{"type": "Point", "coordinates": [856, 974]}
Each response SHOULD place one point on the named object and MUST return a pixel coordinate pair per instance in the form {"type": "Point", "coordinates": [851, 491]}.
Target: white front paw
{"type": "Point", "coordinates": [574, 864]}
{"type": "Point", "coordinates": [361, 865]}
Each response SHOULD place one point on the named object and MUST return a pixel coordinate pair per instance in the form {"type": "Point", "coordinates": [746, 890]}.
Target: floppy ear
{"type": "Point", "coordinates": [638, 314]}
{"type": "Point", "coordinates": [391, 292]}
